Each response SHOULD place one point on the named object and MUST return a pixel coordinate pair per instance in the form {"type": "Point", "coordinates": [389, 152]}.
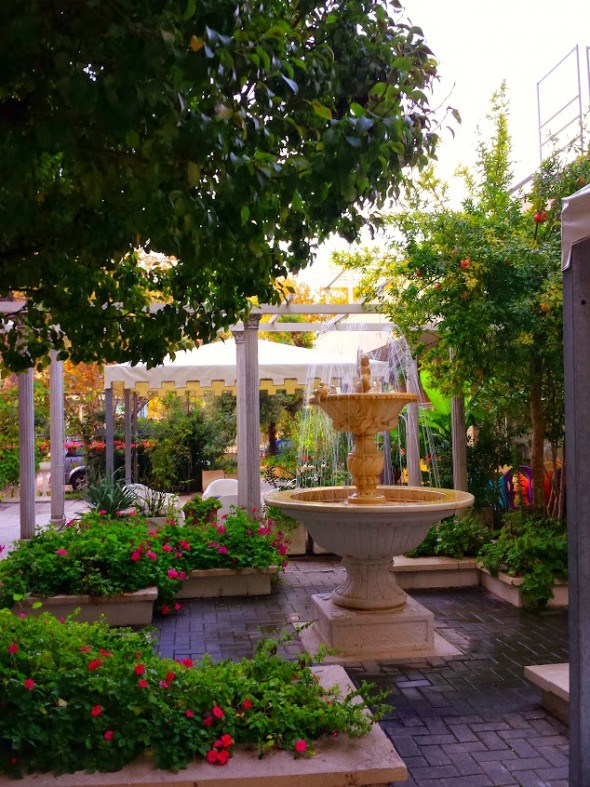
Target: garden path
{"type": "Point", "coordinates": [467, 721]}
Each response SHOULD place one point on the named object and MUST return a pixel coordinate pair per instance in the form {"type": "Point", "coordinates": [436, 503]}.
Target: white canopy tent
{"type": "Point", "coordinates": [213, 367]}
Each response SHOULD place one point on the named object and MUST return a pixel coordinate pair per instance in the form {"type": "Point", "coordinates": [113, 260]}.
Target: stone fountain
{"type": "Point", "coordinates": [368, 614]}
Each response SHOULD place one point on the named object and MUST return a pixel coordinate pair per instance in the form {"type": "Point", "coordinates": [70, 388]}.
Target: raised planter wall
{"type": "Point", "coordinates": [508, 588]}
{"type": "Point", "coordinates": [435, 572]}
{"type": "Point", "coordinates": [126, 609]}
{"type": "Point", "coordinates": [215, 582]}
{"type": "Point", "coordinates": [370, 760]}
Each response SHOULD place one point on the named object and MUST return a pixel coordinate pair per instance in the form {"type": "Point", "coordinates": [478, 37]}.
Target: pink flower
{"type": "Point", "coordinates": [172, 573]}
{"type": "Point", "coordinates": [152, 533]}
{"type": "Point", "coordinates": [29, 684]}
{"type": "Point", "coordinates": [85, 648]}
{"type": "Point", "coordinates": [163, 684]}
{"type": "Point", "coordinates": [300, 746]}
{"type": "Point", "coordinates": [136, 555]}
{"type": "Point", "coordinates": [221, 529]}
{"type": "Point", "coordinates": [109, 735]}
{"type": "Point", "coordinates": [151, 555]}
{"type": "Point", "coordinates": [61, 552]}
{"type": "Point", "coordinates": [282, 549]}
{"type": "Point", "coordinates": [217, 712]}
{"type": "Point", "coordinates": [13, 648]}
{"type": "Point", "coordinates": [166, 548]}
{"type": "Point", "coordinates": [94, 664]}
{"type": "Point", "coordinates": [208, 720]}
{"type": "Point", "coordinates": [96, 711]}
{"type": "Point", "coordinates": [177, 606]}
{"type": "Point", "coordinates": [143, 684]}
{"type": "Point", "coordinates": [189, 714]}
{"type": "Point", "coordinates": [102, 511]}
{"type": "Point", "coordinates": [184, 545]}
{"type": "Point", "coordinates": [247, 704]}
{"type": "Point", "coordinates": [222, 550]}
{"type": "Point", "coordinates": [139, 669]}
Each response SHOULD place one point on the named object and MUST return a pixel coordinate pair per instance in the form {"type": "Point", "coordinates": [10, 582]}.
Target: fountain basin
{"type": "Point", "coordinates": [369, 531]}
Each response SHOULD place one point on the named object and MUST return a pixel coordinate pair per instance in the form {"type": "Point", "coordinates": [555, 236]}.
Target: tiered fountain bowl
{"type": "Point", "coordinates": [367, 524]}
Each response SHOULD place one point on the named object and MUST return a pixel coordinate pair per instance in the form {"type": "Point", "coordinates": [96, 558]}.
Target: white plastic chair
{"type": "Point", "coordinates": [226, 491]}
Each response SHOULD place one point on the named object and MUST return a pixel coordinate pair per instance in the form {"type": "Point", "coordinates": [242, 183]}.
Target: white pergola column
{"type": "Point", "coordinates": [412, 430]}
{"type": "Point", "coordinates": [248, 414]}
{"type": "Point", "coordinates": [26, 453]}
{"type": "Point", "coordinates": [56, 437]}
{"type": "Point", "coordinates": [109, 418]}
{"type": "Point", "coordinates": [459, 443]}
{"type": "Point", "coordinates": [128, 439]}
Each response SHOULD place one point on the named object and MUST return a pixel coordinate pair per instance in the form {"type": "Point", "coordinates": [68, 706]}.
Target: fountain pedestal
{"type": "Point", "coordinates": [383, 634]}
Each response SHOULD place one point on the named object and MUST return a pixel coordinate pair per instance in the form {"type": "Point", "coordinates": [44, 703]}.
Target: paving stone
{"type": "Point", "coordinates": [465, 721]}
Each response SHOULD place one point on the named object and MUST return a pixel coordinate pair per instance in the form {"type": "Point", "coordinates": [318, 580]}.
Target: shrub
{"type": "Point", "coordinates": [454, 537]}
{"type": "Point", "coordinates": [108, 495]}
{"type": "Point", "coordinates": [198, 511]}
{"type": "Point", "coordinates": [101, 556]}
{"type": "Point", "coordinates": [79, 696]}
{"type": "Point", "coordinates": [531, 546]}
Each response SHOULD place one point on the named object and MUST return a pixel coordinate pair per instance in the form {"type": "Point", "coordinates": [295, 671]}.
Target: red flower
{"type": "Point", "coordinates": [226, 740]}
{"type": "Point", "coordinates": [540, 216]}
{"type": "Point", "coordinates": [300, 746]}
{"type": "Point", "coordinates": [96, 711]}
{"type": "Point", "coordinates": [86, 648]}
{"type": "Point", "coordinates": [208, 720]}
{"type": "Point", "coordinates": [177, 606]}
{"type": "Point", "coordinates": [29, 684]}
{"type": "Point", "coordinates": [217, 712]}
{"type": "Point", "coordinates": [189, 714]}
{"type": "Point", "coordinates": [165, 610]}
{"type": "Point", "coordinates": [247, 704]}
{"type": "Point", "coordinates": [187, 662]}
{"type": "Point", "coordinates": [94, 664]}
{"type": "Point", "coordinates": [109, 735]}
{"type": "Point", "coordinates": [184, 544]}
{"type": "Point", "coordinates": [222, 757]}
{"type": "Point", "coordinates": [166, 548]}
{"type": "Point", "coordinates": [104, 652]}
{"type": "Point", "coordinates": [13, 648]}
{"type": "Point", "coordinates": [139, 669]}
{"type": "Point", "coordinates": [151, 555]}
{"type": "Point", "coordinates": [136, 555]}
{"type": "Point", "coordinates": [211, 756]}
{"type": "Point", "coordinates": [170, 677]}
{"type": "Point", "coordinates": [143, 684]}
{"type": "Point", "coordinates": [222, 550]}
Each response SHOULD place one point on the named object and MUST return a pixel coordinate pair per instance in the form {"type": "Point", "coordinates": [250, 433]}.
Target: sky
{"type": "Point", "coordinates": [479, 45]}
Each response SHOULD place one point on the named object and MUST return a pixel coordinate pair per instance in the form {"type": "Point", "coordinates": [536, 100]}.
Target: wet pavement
{"type": "Point", "coordinates": [467, 721]}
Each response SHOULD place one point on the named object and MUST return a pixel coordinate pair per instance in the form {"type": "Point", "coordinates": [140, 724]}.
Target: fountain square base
{"type": "Point", "coordinates": [382, 635]}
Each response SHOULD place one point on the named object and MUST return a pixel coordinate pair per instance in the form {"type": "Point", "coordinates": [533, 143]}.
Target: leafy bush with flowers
{"type": "Point", "coordinates": [101, 556]}
{"type": "Point", "coordinates": [78, 696]}
{"type": "Point", "coordinates": [197, 511]}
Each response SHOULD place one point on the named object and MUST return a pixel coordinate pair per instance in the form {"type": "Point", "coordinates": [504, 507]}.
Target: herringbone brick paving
{"type": "Point", "coordinates": [466, 721]}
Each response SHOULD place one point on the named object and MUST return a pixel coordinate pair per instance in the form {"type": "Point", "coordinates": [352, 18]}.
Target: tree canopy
{"type": "Point", "coordinates": [487, 278]}
{"type": "Point", "coordinates": [225, 135]}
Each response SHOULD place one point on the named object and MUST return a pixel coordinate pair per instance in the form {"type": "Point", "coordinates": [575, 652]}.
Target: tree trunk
{"type": "Point", "coordinates": [538, 439]}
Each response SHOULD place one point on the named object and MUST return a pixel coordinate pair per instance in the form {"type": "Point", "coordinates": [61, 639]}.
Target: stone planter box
{"type": "Point", "coordinates": [421, 573]}
{"type": "Point", "coordinates": [508, 589]}
{"type": "Point", "coordinates": [297, 541]}
{"type": "Point", "coordinates": [370, 760]}
{"type": "Point", "coordinates": [127, 609]}
{"type": "Point", "coordinates": [554, 682]}
{"type": "Point", "coordinates": [216, 582]}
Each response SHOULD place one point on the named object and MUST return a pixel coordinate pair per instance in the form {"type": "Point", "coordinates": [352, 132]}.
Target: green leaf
{"type": "Point", "coordinates": [245, 214]}
{"type": "Point", "coordinates": [321, 109]}
{"type": "Point", "coordinates": [356, 109]}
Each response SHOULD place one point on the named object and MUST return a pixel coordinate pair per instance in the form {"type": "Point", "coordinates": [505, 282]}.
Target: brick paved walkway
{"type": "Point", "coordinates": [467, 721]}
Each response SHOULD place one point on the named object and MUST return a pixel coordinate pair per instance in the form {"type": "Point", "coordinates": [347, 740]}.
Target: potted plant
{"type": "Point", "coordinates": [198, 511]}
{"type": "Point", "coordinates": [109, 495]}
{"type": "Point", "coordinates": [76, 696]}
{"type": "Point", "coordinates": [157, 506]}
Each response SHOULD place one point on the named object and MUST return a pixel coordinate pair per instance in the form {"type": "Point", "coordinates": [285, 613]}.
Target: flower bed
{"type": "Point", "coordinates": [75, 696]}
{"type": "Point", "coordinates": [101, 556]}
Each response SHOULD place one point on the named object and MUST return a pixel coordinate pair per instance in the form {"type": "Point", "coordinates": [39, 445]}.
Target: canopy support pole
{"type": "Point", "coordinates": [56, 437]}
{"type": "Point", "coordinates": [413, 434]}
{"type": "Point", "coordinates": [248, 414]}
{"type": "Point", "coordinates": [109, 433]}
{"type": "Point", "coordinates": [127, 427]}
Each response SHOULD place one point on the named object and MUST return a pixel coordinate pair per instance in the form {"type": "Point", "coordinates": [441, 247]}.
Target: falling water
{"type": "Point", "coordinates": [322, 451]}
